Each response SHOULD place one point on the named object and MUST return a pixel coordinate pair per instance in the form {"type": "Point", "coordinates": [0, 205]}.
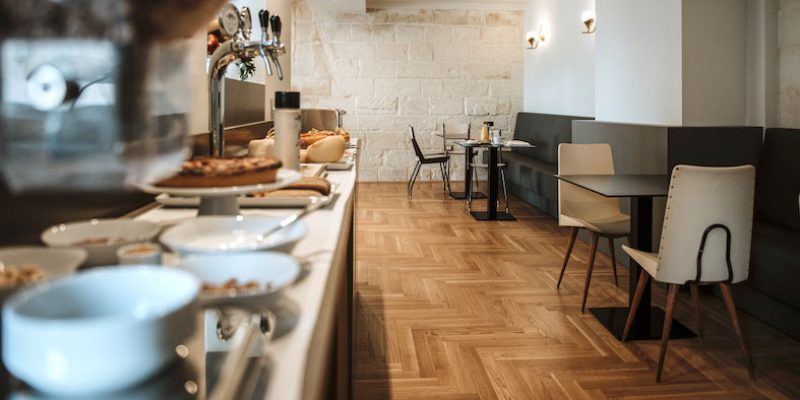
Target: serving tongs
{"type": "Point", "coordinates": [243, 329]}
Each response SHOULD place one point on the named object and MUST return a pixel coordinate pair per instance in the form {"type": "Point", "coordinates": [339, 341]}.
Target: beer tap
{"type": "Point", "coordinates": [236, 27]}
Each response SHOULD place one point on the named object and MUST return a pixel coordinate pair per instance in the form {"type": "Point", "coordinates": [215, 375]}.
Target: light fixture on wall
{"type": "Point", "coordinates": [535, 38]}
{"type": "Point", "coordinates": [588, 18]}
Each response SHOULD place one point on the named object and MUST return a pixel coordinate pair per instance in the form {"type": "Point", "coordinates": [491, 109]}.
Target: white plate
{"type": "Point", "coordinates": [285, 177]}
{"type": "Point", "coordinates": [53, 262]}
{"type": "Point", "coordinates": [247, 201]}
{"type": "Point", "coordinates": [230, 234]}
{"type": "Point", "coordinates": [277, 269]}
{"type": "Point", "coordinates": [119, 232]}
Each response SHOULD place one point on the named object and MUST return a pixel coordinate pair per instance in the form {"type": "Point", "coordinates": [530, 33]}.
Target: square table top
{"type": "Point", "coordinates": [621, 185]}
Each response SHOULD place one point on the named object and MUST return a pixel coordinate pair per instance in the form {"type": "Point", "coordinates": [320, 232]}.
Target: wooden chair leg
{"type": "Point", "coordinates": [641, 284]}
{"type": "Point", "coordinates": [696, 305]}
{"type": "Point", "coordinates": [573, 234]}
{"type": "Point", "coordinates": [613, 261]}
{"type": "Point", "coordinates": [726, 295]}
{"type": "Point", "coordinates": [671, 297]}
{"type": "Point", "coordinates": [592, 254]}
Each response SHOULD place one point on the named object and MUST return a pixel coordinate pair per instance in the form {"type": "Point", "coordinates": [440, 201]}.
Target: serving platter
{"type": "Point", "coordinates": [285, 178]}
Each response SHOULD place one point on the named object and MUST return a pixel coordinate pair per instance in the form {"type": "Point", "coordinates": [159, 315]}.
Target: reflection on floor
{"type": "Point", "coordinates": [452, 308]}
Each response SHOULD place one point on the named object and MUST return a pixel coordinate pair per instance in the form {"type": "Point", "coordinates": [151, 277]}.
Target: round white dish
{"type": "Point", "coordinates": [229, 234]}
{"type": "Point", "coordinates": [285, 178]}
{"type": "Point", "coordinates": [139, 253]}
{"type": "Point", "coordinates": [272, 271]}
{"type": "Point", "coordinates": [53, 262]}
{"type": "Point", "coordinates": [119, 232]}
{"type": "Point", "coordinates": [98, 331]}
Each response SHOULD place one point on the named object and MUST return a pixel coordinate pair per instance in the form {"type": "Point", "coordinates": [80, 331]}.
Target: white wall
{"type": "Point", "coordinates": [559, 74]}
{"type": "Point", "coordinates": [714, 62]}
{"type": "Point", "coordinates": [639, 62]}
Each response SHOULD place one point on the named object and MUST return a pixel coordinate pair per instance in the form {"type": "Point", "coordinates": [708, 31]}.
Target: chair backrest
{"type": "Point", "coordinates": [699, 198]}
{"type": "Point", "coordinates": [414, 143]}
{"type": "Point", "coordinates": [584, 159]}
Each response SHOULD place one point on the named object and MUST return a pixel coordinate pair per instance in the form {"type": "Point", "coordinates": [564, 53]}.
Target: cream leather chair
{"type": "Point", "coordinates": [705, 240]}
{"type": "Point", "coordinates": [581, 209]}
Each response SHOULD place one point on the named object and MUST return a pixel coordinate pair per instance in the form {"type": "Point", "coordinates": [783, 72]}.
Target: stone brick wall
{"type": "Point", "coordinates": [789, 64]}
{"type": "Point", "coordinates": [393, 68]}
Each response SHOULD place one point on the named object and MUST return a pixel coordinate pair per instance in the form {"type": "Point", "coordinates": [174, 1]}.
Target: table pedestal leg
{"type": "Point", "coordinates": [648, 320]}
{"type": "Point", "coordinates": [491, 213]}
{"type": "Point", "coordinates": [468, 156]}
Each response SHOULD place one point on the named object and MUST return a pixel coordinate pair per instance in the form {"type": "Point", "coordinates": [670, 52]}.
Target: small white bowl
{"type": "Point", "coordinates": [272, 271]}
{"type": "Point", "coordinates": [139, 253]}
{"type": "Point", "coordinates": [234, 234]}
{"type": "Point", "coordinates": [116, 232]}
{"type": "Point", "coordinates": [98, 331]}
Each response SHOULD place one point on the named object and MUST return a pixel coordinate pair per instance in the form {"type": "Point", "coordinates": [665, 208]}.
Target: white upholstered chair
{"type": "Point", "coordinates": [705, 240]}
{"type": "Point", "coordinates": [581, 209]}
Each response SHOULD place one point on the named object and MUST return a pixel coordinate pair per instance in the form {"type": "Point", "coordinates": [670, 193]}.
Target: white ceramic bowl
{"type": "Point", "coordinates": [98, 331]}
{"type": "Point", "coordinates": [53, 262]}
{"type": "Point", "coordinates": [118, 232]}
{"type": "Point", "coordinates": [234, 234]}
{"type": "Point", "coordinates": [272, 271]}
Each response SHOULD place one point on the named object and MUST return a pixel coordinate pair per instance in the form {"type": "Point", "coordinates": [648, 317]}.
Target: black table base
{"type": "Point", "coordinates": [484, 216]}
{"type": "Point", "coordinates": [463, 195]}
{"type": "Point", "coordinates": [613, 318]}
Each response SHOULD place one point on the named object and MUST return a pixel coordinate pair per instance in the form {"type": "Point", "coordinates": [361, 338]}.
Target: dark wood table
{"type": "Point", "coordinates": [491, 213]}
{"type": "Point", "coordinates": [641, 189]}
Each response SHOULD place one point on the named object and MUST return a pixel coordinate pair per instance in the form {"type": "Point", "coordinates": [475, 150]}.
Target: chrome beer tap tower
{"type": "Point", "coordinates": [236, 26]}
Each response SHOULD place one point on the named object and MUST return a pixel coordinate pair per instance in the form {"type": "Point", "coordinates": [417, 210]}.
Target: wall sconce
{"type": "Point", "coordinates": [588, 19]}
{"type": "Point", "coordinates": [535, 38]}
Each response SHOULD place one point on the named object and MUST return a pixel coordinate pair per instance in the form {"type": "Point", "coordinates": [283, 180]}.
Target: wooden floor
{"type": "Point", "coordinates": [451, 308]}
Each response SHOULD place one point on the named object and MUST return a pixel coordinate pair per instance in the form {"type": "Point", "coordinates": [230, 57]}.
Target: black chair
{"type": "Point", "coordinates": [422, 159]}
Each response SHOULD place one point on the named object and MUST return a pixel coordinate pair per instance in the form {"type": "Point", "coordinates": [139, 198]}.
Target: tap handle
{"type": "Point", "coordinates": [246, 22]}
{"type": "Point", "coordinates": [276, 27]}
{"type": "Point", "coordinates": [263, 18]}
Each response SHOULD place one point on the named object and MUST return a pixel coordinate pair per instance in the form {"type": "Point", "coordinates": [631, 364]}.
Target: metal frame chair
{"type": "Point", "coordinates": [422, 159]}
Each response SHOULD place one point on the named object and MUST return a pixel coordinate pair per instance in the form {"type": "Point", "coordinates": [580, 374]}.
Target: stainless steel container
{"type": "Point", "coordinates": [323, 119]}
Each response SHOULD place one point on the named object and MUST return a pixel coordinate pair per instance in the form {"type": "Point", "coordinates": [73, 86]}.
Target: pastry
{"type": "Point", "coordinates": [314, 135]}
{"type": "Point", "coordinates": [319, 185]}
{"type": "Point", "coordinates": [329, 149]}
{"type": "Point", "coordinates": [286, 194]}
{"type": "Point", "coordinates": [305, 187]}
{"type": "Point", "coordinates": [224, 172]}
{"type": "Point", "coordinates": [261, 148]}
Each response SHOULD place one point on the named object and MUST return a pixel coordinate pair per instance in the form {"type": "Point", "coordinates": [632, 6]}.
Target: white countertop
{"type": "Point", "coordinates": [290, 355]}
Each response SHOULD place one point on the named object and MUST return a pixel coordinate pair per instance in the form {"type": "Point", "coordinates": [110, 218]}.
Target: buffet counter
{"type": "Point", "coordinates": [321, 299]}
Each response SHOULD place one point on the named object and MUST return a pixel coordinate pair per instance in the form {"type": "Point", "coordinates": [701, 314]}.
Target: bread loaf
{"type": "Point", "coordinates": [328, 150]}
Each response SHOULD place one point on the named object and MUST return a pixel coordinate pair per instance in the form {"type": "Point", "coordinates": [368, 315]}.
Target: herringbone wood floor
{"type": "Point", "coordinates": [451, 308]}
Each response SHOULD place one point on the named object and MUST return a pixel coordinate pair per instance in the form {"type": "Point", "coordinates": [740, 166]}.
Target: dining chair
{"type": "Point", "coordinates": [423, 159]}
{"type": "Point", "coordinates": [705, 240]}
{"type": "Point", "coordinates": [455, 130]}
{"type": "Point", "coordinates": [582, 209]}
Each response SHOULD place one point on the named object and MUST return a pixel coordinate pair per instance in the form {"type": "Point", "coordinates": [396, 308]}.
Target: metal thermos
{"type": "Point", "coordinates": [287, 129]}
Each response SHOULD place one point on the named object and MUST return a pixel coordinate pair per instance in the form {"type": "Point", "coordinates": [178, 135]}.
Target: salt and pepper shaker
{"type": "Point", "coordinates": [287, 129]}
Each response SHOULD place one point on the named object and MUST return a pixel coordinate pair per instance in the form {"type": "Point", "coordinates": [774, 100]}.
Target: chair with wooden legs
{"type": "Point", "coordinates": [705, 240]}
{"type": "Point", "coordinates": [581, 209]}
{"type": "Point", "coordinates": [424, 159]}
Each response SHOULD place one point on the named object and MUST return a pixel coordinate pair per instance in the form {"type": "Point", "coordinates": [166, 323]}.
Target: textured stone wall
{"type": "Point", "coordinates": [789, 64]}
{"type": "Point", "coordinates": [393, 68]}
